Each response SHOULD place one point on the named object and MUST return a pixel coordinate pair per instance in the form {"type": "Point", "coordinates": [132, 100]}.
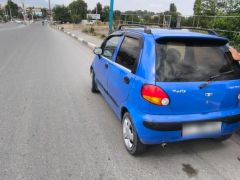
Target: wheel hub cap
{"type": "Point", "coordinates": [128, 133]}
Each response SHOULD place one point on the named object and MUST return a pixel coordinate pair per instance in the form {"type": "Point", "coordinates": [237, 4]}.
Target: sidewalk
{"type": "Point", "coordinates": [92, 39]}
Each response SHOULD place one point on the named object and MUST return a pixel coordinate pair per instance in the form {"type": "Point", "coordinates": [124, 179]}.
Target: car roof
{"type": "Point", "coordinates": [158, 33]}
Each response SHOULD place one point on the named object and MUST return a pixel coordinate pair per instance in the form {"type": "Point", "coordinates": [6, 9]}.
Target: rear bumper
{"type": "Point", "coordinates": [156, 129]}
{"type": "Point", "coordinates": [177, 126]}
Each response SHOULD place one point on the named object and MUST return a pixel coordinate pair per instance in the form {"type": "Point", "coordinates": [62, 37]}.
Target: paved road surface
{"type": "Point", "coordinates": [10, 26]}
{"type": "Point", "coordinates": [53, 128]}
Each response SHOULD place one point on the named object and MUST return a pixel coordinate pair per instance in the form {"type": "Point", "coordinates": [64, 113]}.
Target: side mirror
{"type": "Point", "coordinates": [98, 51]}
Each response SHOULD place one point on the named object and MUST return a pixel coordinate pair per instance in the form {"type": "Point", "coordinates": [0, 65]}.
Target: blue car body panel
{"type": "Point", "coordinates": [188, 102]}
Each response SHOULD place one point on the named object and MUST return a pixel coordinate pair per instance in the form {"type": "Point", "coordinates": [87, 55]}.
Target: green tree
{"type": "Point", "coordinates": [197, 7]}
{"type": "Point", "coordinates": [12, 8]}
{"type": "Point", "coordinates": [173, 8]}
{"type": "Point", "coordinates": [220, 8]}
{"type": "Point", "coordinates": [1, 14]}
{"type": "Point", "coordinates": [209, 7]}
{"type": "Point", "coordinates": [174, 14]}
{"type": "Point", "coordinates": [105, 13]}
{"type": "Point", "coordinates": [61, 13]}
{"type": "Point", "coordinates": [117, 15]}
{"type": "Point", "coordinates": [78, 10]}
{"type": "Point", "coordinates": [98, 9]}
{"type": "Point", "coordinates": [229, 6]}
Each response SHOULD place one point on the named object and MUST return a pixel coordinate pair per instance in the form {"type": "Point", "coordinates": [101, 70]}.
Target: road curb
{"type": "Point", "coordinates": [88, 44]}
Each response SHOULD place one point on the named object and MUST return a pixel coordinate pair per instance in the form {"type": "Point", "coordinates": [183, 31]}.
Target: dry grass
{"type": "Point", "coordinates": [100, 30]}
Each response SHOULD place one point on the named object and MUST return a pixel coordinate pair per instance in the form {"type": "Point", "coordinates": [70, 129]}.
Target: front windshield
{"type": "Point", "coordinates": [191, 62]}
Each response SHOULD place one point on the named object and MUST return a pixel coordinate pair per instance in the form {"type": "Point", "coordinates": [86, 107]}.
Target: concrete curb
{"type": "Point", "coordinates": [88, 44]}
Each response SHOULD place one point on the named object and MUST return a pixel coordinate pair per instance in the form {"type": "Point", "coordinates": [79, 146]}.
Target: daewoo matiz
{"type": "Point", "coordinates": [168, 85]}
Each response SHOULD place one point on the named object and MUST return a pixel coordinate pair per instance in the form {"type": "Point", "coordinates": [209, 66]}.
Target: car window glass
{"type": "Point", "coordinates": [129, 53]}
{"type": "Point", "coordinates": [109, 46]}
{"type": "Point", "coordinates": [191, 62]}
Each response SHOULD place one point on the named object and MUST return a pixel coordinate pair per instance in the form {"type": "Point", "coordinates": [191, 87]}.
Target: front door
{"type": "Point", "coordinates": [108, 47]}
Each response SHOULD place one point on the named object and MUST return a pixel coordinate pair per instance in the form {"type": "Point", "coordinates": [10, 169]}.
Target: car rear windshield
{"type": "Point", "coordinates": [179, 61]}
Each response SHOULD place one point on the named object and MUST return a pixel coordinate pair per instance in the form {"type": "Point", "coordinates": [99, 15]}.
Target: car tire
{"type": "Point", "coordinates": [130, 138]}
{"type": "Point", "coordinates": [94, 87]}
{"type": "Point", "coordinates": [223, 138]}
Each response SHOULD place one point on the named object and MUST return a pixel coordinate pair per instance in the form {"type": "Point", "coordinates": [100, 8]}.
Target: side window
{"type": "Point", "coordinates": [129, 53]}
{"type": "Point", "coordinates": [109, 46]}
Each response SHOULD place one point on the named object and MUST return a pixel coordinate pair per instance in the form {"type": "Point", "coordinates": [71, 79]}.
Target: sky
{"type": "Point", "coordinates": [185, 7]}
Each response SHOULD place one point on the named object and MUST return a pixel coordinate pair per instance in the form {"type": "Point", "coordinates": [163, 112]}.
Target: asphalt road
{"type": "Point", "coordinates": [10, 26]}
{"type": "Point", "coordinates": [52, 127]}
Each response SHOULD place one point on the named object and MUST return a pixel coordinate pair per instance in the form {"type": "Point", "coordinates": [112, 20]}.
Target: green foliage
{"type": "Point", "coordinates": [61, 13]}
{"type": "Point", "coordinates": [98, 9]}
{"type": "Point", "coordinates": [197, 7]}
{"type": "Point", "coordinates": [12, 8]}
{"type": "Point", "coordinates": [173, 8]}
{"type": "Point", "coordinates": [105, 13]}
{"type": "Point", "coordinates": [117, 15]}
{"type": "Point", "coordinates": [1, 14]}
{"type": "Point", "coordinates": [209, 7]}
{"type": "Point", "coordinates": [173, 12]}
{"type": "Point", "coordinates": [78, 10]}
{"type": "Point", "coordinates": [92, 30]}
{"type": "Point", "coordinates": [229, 6]}
{"type": "Point", "coordinates": [89, 30]}
{"type": "Point", "coordinates": [229, 25]}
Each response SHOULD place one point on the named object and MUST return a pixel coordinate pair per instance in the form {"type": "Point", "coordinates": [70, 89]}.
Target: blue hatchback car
{"type": "Point", "coordinates": [168, 85]}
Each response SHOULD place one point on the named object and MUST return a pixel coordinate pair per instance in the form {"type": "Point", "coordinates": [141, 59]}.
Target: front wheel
{"type": "Point", "coordinates": [94, 87]}
{"type": "Point", "coordinates": [131, 140]}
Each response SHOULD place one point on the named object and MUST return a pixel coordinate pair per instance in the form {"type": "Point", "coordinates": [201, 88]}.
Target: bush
{"type": "Point", "coordinates": [85, 30]}
{"type": "Point", "coordinates": [103, 36]}
{"type": "Point", "coordinates": [92, 30]}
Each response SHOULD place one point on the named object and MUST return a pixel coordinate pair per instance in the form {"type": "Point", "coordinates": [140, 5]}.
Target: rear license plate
{"type": "Point", "coordinates": [200, 128]}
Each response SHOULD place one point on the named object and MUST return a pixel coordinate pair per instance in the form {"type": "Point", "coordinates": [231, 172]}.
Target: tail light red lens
{"type": "Point", "coordinates": [155, 95]}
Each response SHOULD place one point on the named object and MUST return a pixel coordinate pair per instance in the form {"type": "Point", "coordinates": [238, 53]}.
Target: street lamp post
{"type": "Point", "coordinates": [111, 16]}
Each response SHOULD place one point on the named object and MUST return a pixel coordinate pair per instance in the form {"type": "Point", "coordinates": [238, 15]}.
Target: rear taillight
{"type": "Point", "coordinates": [155, 95]}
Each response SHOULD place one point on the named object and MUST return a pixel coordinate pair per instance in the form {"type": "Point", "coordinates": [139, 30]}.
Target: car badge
{"type": "Point", "coordinates": [208, 94]}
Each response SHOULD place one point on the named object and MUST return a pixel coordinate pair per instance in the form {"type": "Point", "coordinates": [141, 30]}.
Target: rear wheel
{"type": "Point", "coordinates": [94, 87]}
{"type": "Point", "coordinates": [223, 138]}
{"type": "Point", "coordinates": [131, 140]}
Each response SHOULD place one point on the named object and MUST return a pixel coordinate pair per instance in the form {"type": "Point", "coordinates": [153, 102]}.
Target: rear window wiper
{"type": "Point", "coordinates": [202, 86]}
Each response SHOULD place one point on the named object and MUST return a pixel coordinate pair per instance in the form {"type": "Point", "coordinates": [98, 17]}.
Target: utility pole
{"type": "Point", "coordinates": [10, 10]}
{"type": "Point", "coordinates": [24, 11]}
{"type": "Point", "coordinates": [50, 10]}
{"type": "Point", "coordinates": [111, 16]}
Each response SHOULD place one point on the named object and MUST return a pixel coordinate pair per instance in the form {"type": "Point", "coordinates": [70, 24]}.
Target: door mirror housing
{"type": "Point", "coordinates": [98, 51]}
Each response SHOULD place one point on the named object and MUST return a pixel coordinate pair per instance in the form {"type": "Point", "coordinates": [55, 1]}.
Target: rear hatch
{"type": "Point", "coordinates": [198, 76]}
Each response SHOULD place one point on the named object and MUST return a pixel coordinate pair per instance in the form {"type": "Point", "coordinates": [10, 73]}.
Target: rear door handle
{"type": "Point", "coordinates": [126, 80]}
{"type": "Point", "coordinates": [106, 66]}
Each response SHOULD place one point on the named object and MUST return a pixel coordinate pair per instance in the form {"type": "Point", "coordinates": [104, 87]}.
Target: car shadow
{"type": "Point", "coordinates": [185, 147]}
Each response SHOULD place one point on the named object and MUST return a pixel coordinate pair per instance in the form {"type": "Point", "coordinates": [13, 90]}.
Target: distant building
{"type": "Point", "coordinates": [1, 6]}
{"type": "Point", "coordinates": [37, 11]}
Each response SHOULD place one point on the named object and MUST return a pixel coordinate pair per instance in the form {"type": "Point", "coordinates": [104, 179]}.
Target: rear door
{"type": "Point", "coordinates": [101, 70]}
{"type": "Point", "coordinates": [121, 72]}
{"type": "Point", "coordinates": [182, 71]}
